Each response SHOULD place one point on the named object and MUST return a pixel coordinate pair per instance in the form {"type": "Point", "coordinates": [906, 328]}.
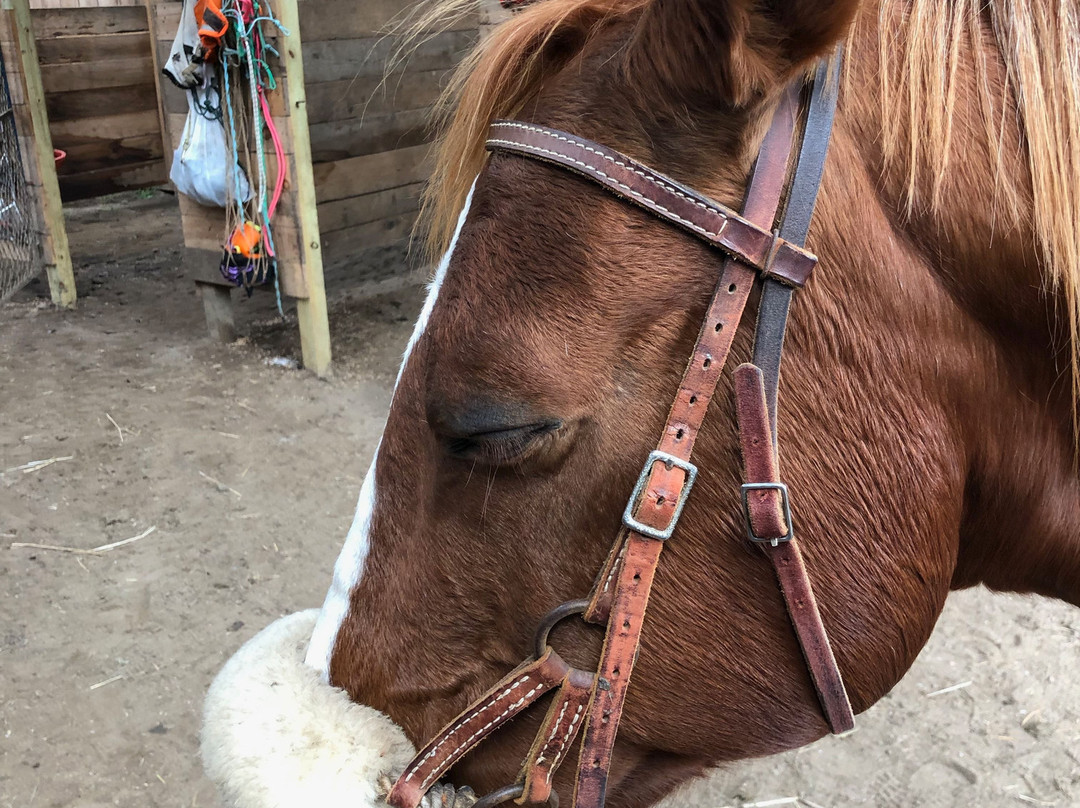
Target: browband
{"type": "Point", "coordinates": [713, 223]}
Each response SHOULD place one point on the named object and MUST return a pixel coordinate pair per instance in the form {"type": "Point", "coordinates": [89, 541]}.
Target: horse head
{"type": "Point", "coordinates": [925, 435]}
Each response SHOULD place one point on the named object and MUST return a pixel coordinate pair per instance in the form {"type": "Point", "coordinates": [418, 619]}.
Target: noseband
{"type": "Point", "coordinates": [752, 249]}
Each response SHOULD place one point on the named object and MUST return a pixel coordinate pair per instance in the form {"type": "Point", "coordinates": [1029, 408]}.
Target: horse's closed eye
{"type": "Point", "coordinates": [499, 446]}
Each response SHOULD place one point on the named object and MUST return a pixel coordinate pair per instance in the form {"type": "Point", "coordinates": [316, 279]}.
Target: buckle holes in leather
{"type": "Point", "coordinates": [660, 500]}
{"type": "Point", "coordinates": [707, 362]}
{"type": "Point", "coordinates": [679, 434]}
{"type": "Point", "coordinates": [719, 327]}
{"type": "Point", "coordinates": [731, 289]}
{"type": "Point", "coordinates": [637, 576]}
{"type": "Point", "coordinates": [693, 399]}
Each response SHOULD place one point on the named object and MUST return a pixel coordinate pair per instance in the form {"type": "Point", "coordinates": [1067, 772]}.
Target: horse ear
{"type": "Point", "coordinates": [733, 50]}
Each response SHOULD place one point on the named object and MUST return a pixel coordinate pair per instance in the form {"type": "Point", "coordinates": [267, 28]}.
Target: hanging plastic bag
{"type": "Point", "coordinates": [202, 167]}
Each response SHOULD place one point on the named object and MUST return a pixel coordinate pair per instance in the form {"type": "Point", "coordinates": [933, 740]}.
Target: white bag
{"type": "Point", "coordinates": [201, 163]}
{"type": "Point", "coordinates": [183, 48]}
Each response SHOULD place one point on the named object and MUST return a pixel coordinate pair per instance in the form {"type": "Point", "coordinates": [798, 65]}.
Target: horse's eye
{"type": "Point", "coordinates": [498, 446]}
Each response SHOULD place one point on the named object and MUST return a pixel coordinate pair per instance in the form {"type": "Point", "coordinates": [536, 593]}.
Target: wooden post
{"type": "Point", "coordinates": [217, 305]}
{"type": "Point", "coordinates": [152, 32]}
{"type": "Point", "coordinates": [57, 255]}
{"type": "Point", "coordinates": [311, 311]}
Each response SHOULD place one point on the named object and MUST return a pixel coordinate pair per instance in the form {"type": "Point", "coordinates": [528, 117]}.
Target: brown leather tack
{"type": "Point", "coordinates": [620, 648]}
{"type": "Point", "coordinates": [505, 700]}
{"type": "Point", "coordinates": [563, 721]}
{"type": "Point", "coordinates": [759, 459]}
{"type": "Point", "coordinates": [637, 183]}
{"type": "Point", "coordinates": [760, 466]}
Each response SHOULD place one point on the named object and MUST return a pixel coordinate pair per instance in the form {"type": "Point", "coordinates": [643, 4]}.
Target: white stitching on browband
{"type": "Point", "coordinates": [647, 177]}
{"type": "Point", "coordinates": [465, 720]}
{"type": "Point", "coordinates": [652, 203]}
{"type": "Point", "coordinates": [465, 744]}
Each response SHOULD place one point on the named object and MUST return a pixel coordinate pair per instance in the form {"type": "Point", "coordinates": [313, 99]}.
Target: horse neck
{"type": "Point", "coordinates": [975, 236]}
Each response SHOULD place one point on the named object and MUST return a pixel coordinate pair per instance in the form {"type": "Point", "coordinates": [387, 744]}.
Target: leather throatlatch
{"type": "Point", "coordinates": [591, 704]}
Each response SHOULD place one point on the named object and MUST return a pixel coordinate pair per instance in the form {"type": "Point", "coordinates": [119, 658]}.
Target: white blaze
{"type": "Point", "coordinates": [349, 567]}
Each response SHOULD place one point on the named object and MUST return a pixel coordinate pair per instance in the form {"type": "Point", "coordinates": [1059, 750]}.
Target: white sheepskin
{"type": "Point", "coordinates": [276, 736]}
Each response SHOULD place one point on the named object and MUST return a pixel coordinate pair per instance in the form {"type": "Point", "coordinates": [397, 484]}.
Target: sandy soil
{"type": "Point", "coordinates": [249, 475]}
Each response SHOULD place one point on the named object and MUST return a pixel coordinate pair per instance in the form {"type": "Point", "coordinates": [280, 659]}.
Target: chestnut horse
{"type": "Point", "coordinates": [926, 411]}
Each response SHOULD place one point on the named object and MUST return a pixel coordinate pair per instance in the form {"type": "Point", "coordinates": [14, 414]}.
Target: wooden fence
{"type": "Point", "coordinates": [354, 136]}
{"type": "Point", "coordinates": [98, 73]}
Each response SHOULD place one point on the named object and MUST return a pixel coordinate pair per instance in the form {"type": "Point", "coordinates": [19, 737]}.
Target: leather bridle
{"type": "Point", "coordinates": [752, 249]}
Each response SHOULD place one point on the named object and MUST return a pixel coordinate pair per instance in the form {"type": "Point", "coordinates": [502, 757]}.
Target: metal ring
{"type": "Point", "coordinates": [556, 615]}
{"type": "Point", "coordinates": [508, 793]}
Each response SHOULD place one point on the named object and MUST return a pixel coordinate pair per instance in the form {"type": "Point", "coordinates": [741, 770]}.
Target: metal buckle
{"type": "Point", "coordinates": [785, 503]}
{"type": "Point", "coordinates": [643, 479]}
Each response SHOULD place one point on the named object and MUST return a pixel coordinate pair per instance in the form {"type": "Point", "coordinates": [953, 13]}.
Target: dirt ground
{"type": "Point", "coordinates": [249, 473]}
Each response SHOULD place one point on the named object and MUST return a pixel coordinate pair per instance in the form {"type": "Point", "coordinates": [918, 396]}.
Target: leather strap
{"type": "Point", "coordinates": [762, 199]}
{"type": "Point", "coordinates": [809, 169]}
{"type": "Point", "coordinates": [628, 179]}
{"type": "Point", "coordinates": [655, 509]}
{"type": "Point", "coordinates": [564, 719]}
{"type": "Point", "coordinates": [510, 696]}
{"type": "Point", "coordinates": [767, 520]}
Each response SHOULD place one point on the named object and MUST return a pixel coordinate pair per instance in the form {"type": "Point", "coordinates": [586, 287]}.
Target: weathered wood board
{"type": "Point", "coordinates": [98, 72]}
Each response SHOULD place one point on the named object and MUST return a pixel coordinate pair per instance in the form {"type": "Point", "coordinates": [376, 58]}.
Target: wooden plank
{"type": "Point", "coordinates": [158, 78]}
{"type": "Point", "coordinates": [167, 18]}
{"type": "Point", "coordinates": [63, 50]}
{"type": "Point", "coordinates": [347, 19]}
{"type": "Point", "coordinates": [342, 246]}
{"type": "Point", "coordinates": [217, 306]}
{"type": "Point", "coordinates": [374, 95]}
{"type": "Point", "coordinates": [81, 104]}
{"type": "Point", "coordinates": [94, 153]}
{"type": "Point", "coordinates": [342, 214]}
{"type": "Point", "coordinates": [311, 310]}
{"type": "Point", "coordinates": [57, 254]}
{"type": "Point", "coordinates": [106, 127]}
{"type": "Point", "coordinates": [340, 140]}
{"type": "Point", "coordinates": [372, 172]}
{"type": "Point", "coordinates": [204, 228]}
{"type": "Point", "coordinates": [347, 59]}
{"type": "Point", "coordinates": [61, 78]}
{"type": "Point", "coordinates": [109, 180]}
{"type": "Point", "coordinates": [49, 23]}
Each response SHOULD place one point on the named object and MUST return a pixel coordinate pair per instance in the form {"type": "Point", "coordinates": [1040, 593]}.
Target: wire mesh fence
{"type": "Point", "coordinates": [21, 255]}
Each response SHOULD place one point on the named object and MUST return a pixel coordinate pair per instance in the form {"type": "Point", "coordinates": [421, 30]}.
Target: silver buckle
{"type": "Point", "coordinates": [669, 461]}
{"type": "Point", "coordinates": [785, 504]}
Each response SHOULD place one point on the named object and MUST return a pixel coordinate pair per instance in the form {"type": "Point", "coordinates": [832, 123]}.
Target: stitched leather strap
{"type": "Point", "coordinates": [626, 178]}
{"type": "Point", "coordinates": [637, 567]}
{"type": "Point", "coordinates": [762, 199]}
{"type": "Point", "coordinates": [564, 719]}
{"type": "Point", "coordinates": [768, 521]}
{"type": "Point", "coordinates": [505, 700]}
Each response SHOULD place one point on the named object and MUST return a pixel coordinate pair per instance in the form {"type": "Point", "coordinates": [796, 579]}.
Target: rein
{"type": "Point", "coordinates": [620, 596]}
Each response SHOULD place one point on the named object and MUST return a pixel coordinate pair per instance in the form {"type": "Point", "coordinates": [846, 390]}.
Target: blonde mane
{"type": "Point", "coordinates": [1038, 41]}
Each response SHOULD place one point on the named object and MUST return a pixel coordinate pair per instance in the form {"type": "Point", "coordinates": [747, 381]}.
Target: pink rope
{"type": "Point", "coordinates": [279, 154]}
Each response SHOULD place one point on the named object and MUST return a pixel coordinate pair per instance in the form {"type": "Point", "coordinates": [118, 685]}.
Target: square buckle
{"type": "Point", "coordinates": [785, 504]}
{"type": "Point", "coordinates": [670, 461]}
